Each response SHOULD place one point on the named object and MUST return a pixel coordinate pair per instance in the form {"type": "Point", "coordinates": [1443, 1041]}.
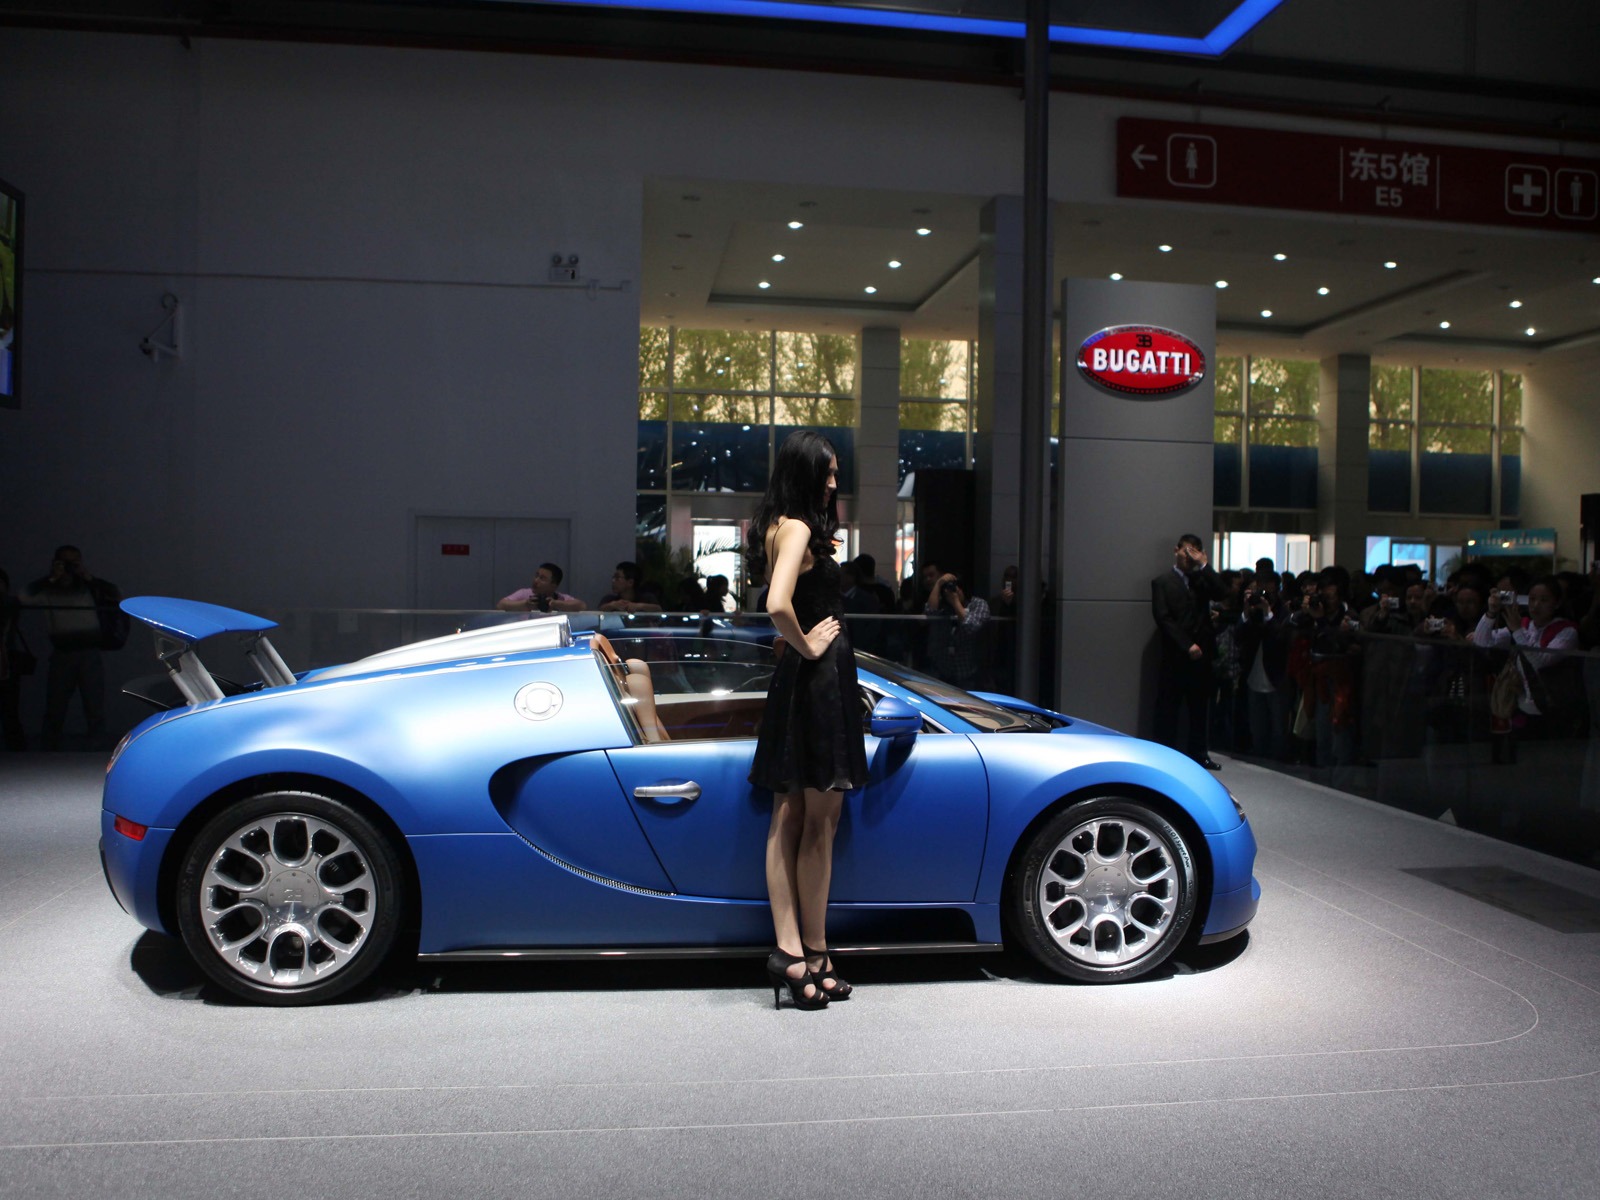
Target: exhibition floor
{"type": "Point", "coordinates": [1416, 1012]}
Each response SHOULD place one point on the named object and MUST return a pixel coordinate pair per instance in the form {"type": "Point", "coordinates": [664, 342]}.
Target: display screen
{"type": "Point", "coordinates": [10, 293]}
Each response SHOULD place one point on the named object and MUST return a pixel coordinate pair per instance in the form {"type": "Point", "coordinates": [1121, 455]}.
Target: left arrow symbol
{"type": "Point", "coordinates": [1142, 156]}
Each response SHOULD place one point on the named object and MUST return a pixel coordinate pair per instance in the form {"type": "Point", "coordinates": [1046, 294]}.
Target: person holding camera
{"type": "Point", "coordinates": [83, 617]}
{"type": "Point", "coordinates": [1543, 631]}
{"type": "Point", "coordinates": [1180, 602]}
{"type": "Point", "coordinates": [955, 635]}
{"type": "Point", "coordinates": [542, 595]}
{"type": "Point", "coordinates": [1262, 640]}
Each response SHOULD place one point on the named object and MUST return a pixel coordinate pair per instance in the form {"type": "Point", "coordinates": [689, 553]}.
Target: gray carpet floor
{"type": "Point", "coordinates": [1380, 1033]}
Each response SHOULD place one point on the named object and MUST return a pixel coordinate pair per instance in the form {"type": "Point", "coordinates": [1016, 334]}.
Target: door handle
{"type": "Point", "coordinates": [668, 793]}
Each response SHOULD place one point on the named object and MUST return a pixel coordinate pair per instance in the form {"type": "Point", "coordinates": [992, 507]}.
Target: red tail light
{"type": "Point", "coordinates": [128, 828]}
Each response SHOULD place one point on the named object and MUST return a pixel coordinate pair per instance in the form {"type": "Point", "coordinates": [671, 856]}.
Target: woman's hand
{"type": "Point", "coordinates": [820, 636]}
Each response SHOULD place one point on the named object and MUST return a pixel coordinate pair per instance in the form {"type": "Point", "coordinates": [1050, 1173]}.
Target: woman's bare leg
{"type": "Point", "coordinates": [814, 864]}
{"type": "Point", "coordinates": [783, 843]}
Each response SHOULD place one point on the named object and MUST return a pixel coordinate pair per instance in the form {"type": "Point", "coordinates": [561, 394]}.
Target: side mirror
{"type": "Point", "coordinates": [892, 718]}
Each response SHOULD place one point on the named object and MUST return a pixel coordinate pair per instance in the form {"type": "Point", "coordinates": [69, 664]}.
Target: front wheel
{"type": "Point", "coordinates": [289, 898]}
{"type": "Point", "coordinates": [1104, 892]}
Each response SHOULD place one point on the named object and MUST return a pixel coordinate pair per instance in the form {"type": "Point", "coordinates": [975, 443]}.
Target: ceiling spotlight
{"type": "Point", "coordinates": [1279, 257]}
{"type": "Point", "coordinates": [923, 231]}
{"type": "Point", "coordinates": [777, 258]}
{"type": "Point", "coordinates": [1222, 283]}
{"type": "Point", "coordinates": [1116, 275]}
{"type": "Point", "coordinates": [1515, 304]}
{"type": "Point", "coordinates": [1596, 279]}
{"type": "Point", "coordinates": [1322, 291]}
{"type": "Point", "coordinates": [1266, 312]}
{"type": "Point", "coordinates": [763, 285]}
{"type": "Point", "coordinates": [1444, 324]}
{"type": "Point", "coordinates": [1530, 331]}
{"type": "Point", "coordinates": [797, 224]}
{"type": "Point", "coordinates": [1390, 265]}
{"type": "Point", "coordinates": [894, 264]}
{"type": "Point", "coordinates": [1166, 249]}
{"type": "Point", "coordinates": [870, 290]}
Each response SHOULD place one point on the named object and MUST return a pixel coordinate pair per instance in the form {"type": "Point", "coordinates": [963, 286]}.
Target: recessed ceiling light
{"type": "Point", "coordinates": [1116, 275]}
{"type": "Point", "coordinates": [1530, 331]}
{"type": "Point", "coordinates": [1266, 312]}
{"type": "Point", "coordinates": [777, 258]}
{"type": "Point", "coordinates": [894, 264]}
{"type": "Point", "coordinates": [1596, 279]}
{"type": "Point", "coordinates": [763, 285]}
{"type": "Point", "coordinates": [1279, 257]}
{"type": "Point", "coordinates": [797, 224]}
{"type": "Point", "coordinates": [1515, 304]}
{"type": "Point", "coordinates": [870, 290]}
{"type": "Point", "coordinates": [1322, 291]}
{"type": "Point", "coordinates": [1166, 249]}
{"type": "Point", "coordinates": [1390, 265]}
{"type": "Point", "coordinates": [1444, 324]}
{"type": "Point", "coordinates": [1222, 283]}
{"type": "Point", "coordinates": [923, 231]}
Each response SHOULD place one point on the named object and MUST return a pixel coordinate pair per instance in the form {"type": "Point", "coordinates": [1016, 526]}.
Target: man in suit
{"type": "Point", "coordinates": [1180, 600]}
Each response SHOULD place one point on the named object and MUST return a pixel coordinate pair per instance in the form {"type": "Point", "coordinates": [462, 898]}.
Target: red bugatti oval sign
{"type": "Point", "coordinates": [1141, 361]}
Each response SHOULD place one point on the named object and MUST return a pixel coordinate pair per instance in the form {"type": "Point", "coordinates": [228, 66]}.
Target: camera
{"type": "Point", "coordinates": [1390, 603]}
{"type": "Point", "coordinates": [1507, 596]}
{"type": "Point", "coordinates": [1434, 625]}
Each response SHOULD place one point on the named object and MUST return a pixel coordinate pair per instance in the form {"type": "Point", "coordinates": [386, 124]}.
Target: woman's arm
{"type": "Point", "coordinates": [789, 543]}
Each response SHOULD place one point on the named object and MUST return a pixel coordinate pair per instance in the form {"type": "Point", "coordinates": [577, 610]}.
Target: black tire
{"type": "Point", "coordinates": [289, 898]}
{"type": "Point", "coordinates": [1104, 891]}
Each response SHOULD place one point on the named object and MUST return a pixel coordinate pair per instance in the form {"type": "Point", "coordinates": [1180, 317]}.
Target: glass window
{"type": "Point", "coordinates": [933, 414]}
{"type": "Point", "coordinates": [1510, 399]}
{"type": "Point", "coordinates": [1229, 385]}
{"type": "Point", "coordinates": [933, 369]}
{"type": "Point", "coordinates": [654, 347]}
{"type": "Point", "coordinates": [1456, 396]}
{"type": "Point", "coordinates": [1282, 387]}
{"type": "Point", "coordinates": [719, 443]}
{"type": "Point", "coordinates": [1389, 398]}
{"type": "Point", "coordinates": [722, 360]}
{"type": "Point", "coordinates": [1282, 431]}
{"type": "Point", "coordinates": [824, 363]}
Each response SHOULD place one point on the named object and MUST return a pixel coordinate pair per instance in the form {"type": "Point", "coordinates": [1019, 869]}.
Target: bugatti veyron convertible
{"type": "Point", "coordinates": [519, 791]}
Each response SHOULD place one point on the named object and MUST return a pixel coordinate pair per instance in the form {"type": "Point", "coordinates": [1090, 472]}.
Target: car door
{"type": "Point", "coordinates": [913, 835]}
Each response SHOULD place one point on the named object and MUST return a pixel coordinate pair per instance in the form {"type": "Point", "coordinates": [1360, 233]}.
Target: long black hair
{"type": "Point", "coordinates": [798, 489]}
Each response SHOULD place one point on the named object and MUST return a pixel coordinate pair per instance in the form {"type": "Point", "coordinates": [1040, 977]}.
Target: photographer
{"type": "Point", "coordinates": [1545, 696]}
{"type": "Point", "coordinates": [1329, 696]}
{"type": "Point", "coordinates": [541, 596]}
{"type": "Point", "coordinates": [1262, 637]}
{"type": "Point", "coordinates": [955, 637]}
{"type": "Point", "coordinates": [84, 620]}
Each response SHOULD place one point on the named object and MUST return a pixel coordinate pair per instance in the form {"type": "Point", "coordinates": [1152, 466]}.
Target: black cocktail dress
{"type": "Point", "coordinates": [811, 733]}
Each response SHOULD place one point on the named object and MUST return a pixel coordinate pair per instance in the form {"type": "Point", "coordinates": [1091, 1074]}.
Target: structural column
{"type": "Point", "coordinates": [1135, 474]}
{"type": "Point", "coordinates": [1342, 404]}
{"type": "Point", "coordinates": [997, 439]}
{"type": "Point", "coordinates": [878, 445]}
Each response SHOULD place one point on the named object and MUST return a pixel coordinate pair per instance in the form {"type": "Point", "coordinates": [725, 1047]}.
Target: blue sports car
{"type": "Point", "coordinates": [523, 791]}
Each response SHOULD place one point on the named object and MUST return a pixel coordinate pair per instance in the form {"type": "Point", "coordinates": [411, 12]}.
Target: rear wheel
{"type": "Point", "coordinates": [289, 898]}
{"type": "Point", "coordinates": [1105, 891]}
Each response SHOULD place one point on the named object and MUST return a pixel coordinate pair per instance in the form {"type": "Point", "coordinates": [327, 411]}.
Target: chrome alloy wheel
{"type": "Point", "coordinates": [287, 899]}
{"type": "Point", "coordinates": [1108, 891]}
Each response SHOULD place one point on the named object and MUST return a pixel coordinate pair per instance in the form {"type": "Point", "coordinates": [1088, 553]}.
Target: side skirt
{"type": "Point", "coordinates": [570, 953]}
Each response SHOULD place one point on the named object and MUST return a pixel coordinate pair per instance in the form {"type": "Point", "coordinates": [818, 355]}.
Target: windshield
{"type": "Point", "coordinates": [989, 717]}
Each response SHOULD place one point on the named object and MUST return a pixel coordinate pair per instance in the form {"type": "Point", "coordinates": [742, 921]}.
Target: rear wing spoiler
{"type": "Point", "coordinates": [180, 625]}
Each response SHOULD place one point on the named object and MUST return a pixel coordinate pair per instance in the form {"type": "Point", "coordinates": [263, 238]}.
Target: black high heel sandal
{"type": "Point", "coordinates": [840, 989]}
{"type": "Point", "coordinates": [778, 964]}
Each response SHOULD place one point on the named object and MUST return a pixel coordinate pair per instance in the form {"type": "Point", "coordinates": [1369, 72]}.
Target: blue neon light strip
{"type": "Point", "coordinates": [1234, 26]}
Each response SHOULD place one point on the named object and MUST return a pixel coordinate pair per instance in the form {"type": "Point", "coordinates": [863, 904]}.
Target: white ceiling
{"type": "Point", "coordinates": [709, 244]}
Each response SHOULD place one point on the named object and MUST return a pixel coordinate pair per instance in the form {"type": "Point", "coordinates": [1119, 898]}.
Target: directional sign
{"type": "Point", "coordinates": [1357, 174]}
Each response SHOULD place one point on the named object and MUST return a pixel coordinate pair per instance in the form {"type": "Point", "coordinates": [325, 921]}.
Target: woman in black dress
{"type": "Point", "coordinates": [810, 750]}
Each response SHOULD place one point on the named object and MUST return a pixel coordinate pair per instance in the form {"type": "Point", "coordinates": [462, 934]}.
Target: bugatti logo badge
{"type": "Point", "coordinates": [539, 701]}
{"type": "Point", "coordinates": [1141, 361]}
